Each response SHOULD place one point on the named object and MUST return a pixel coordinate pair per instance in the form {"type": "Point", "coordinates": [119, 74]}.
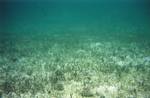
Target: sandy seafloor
{"type": "Point", "coordinates": [86, 50]}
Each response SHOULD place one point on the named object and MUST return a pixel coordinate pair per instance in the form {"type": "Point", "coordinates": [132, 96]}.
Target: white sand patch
{"type": "Point", "coordinates": [72, 89]}
{"type": "Point", "coordinates": [107, 91]}
{"type": "Point", "coordinates": [96, 45]}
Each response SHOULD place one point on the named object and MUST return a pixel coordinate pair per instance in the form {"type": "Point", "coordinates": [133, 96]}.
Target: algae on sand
{"type": "Point", "coordinates": [57, 49]}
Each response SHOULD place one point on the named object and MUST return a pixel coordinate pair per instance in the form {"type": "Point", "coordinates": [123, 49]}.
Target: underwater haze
{"type": "Point", "coordinates": [74, 49]}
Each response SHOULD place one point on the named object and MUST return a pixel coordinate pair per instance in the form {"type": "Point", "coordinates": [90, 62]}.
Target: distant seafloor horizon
{"type": "Point", "coordinates": [101, 17]}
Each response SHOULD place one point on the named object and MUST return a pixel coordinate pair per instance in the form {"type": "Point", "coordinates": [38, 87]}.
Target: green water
{"type": "Point", "coordinates": [123, 18]}
{"type": "Point", "coordinates": [75, 49]}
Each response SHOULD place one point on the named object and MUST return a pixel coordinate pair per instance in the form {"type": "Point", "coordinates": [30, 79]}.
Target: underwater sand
{"type": "Point", "coordinates": [68, 52]}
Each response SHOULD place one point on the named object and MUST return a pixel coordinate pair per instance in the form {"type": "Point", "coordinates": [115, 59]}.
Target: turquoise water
{"type": "Point", "coordinates": [74, 49]}
{"type": "Point", "coordinates": [97, 16]}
